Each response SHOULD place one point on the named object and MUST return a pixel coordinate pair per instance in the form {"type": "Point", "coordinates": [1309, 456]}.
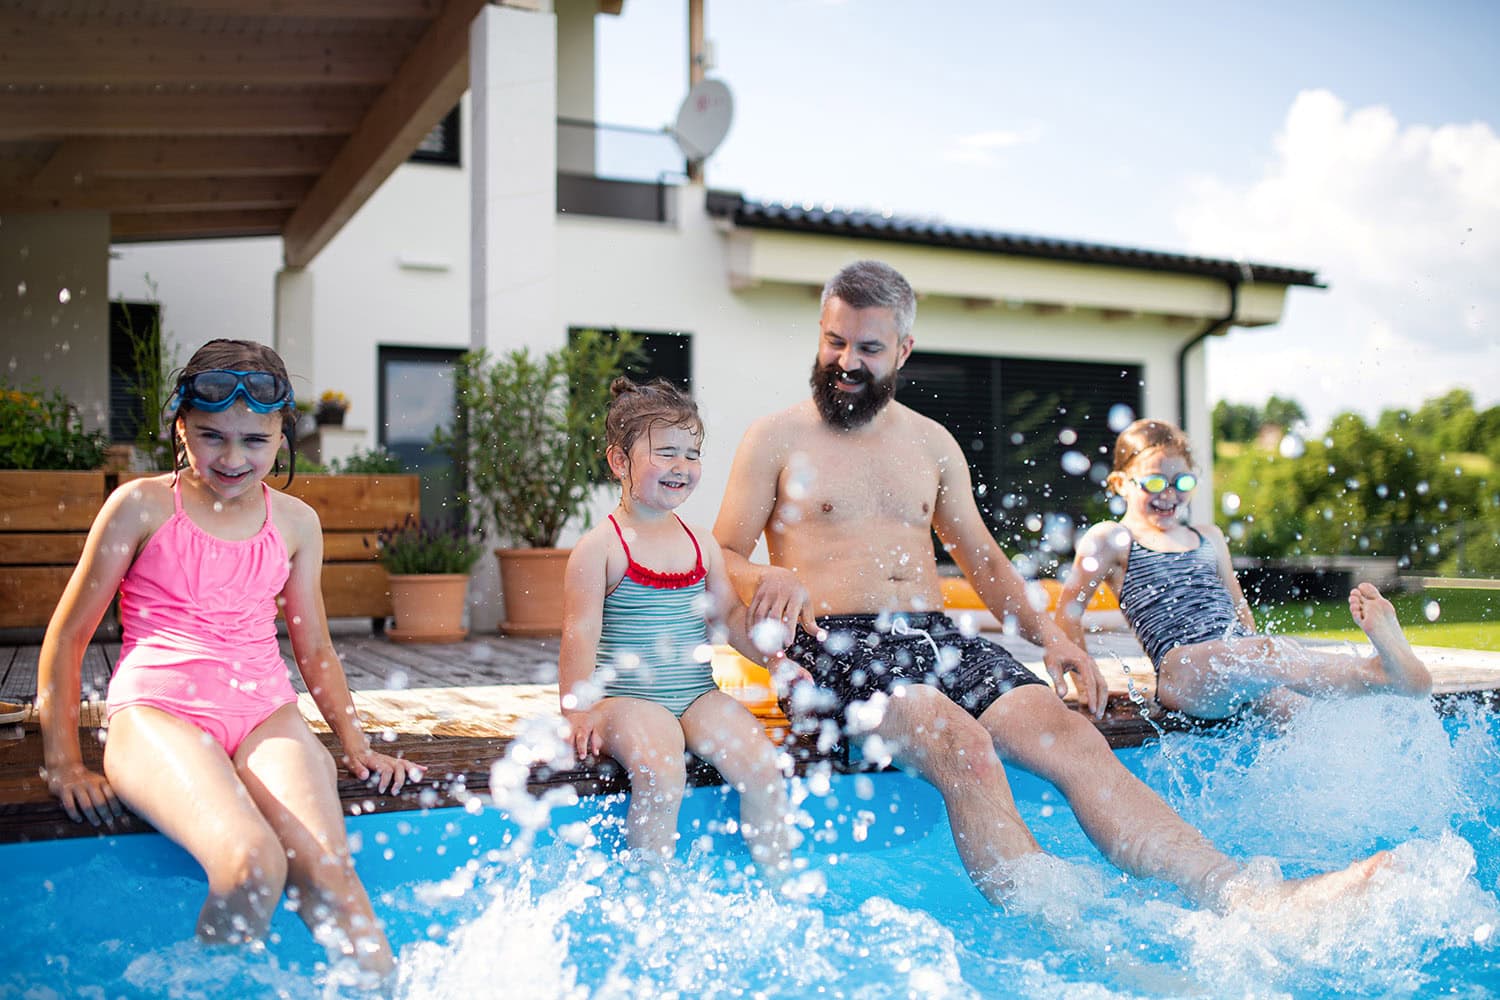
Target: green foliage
{"type": "Point", "coordinates": [1235, 421]}
{"type": "Point", "coordinates": [1241, 422]}
{"type": "Point", "coordinates": [1395, 489]}
{"type": "Point", "coordinates": [41, 430]}
{"type": "Point", "coordinates": [367, 462]}
{"type": "Point", "coordinates": [415, 546]}
{"type": "Point", "coordinates": [532, 430]}
{"type": "Point", "coordinates": [153, 361]}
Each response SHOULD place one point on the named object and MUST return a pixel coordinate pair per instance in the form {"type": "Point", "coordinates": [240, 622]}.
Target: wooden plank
{"type": "Point", "coordinates": [131, 53]}
{"type": "Point", "coordinates": [172, 194]}
{"type": "Point", "coordinates": [356, 590]}
{"type": "Point", "coordinates": [382, 10]}
{"type": "Point", "coordinates": [359, 503]}
{"type": "Point", "coordinates": [162, 157]}
{"type": "Point", "coordinates": [426, 87]}
{"type": "Point", "coordinates": [29, 594]}
{"type": "Point", "coordinates": [49, 501]}
{"type": "Point", "coordinates": [25, 548]}
{"type": "Point", "coordinates": [129, 227]}
{"type": "Point", "coordinates": [26, 115]}
{"type": "Point", "coordinates": [349, 546]}
{"type": "Point", "coordinates": [20, 679]}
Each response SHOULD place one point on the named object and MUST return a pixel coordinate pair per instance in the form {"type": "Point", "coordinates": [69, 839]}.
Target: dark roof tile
{"type": "Point", "coordinates": [831, 221]}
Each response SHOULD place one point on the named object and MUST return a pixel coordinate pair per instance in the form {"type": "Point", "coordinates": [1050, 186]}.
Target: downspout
{"type": "Point", "coordinates": [1216, 326]}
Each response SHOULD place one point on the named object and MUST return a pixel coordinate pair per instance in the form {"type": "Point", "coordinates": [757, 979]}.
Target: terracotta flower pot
{"type": "Point", "coordinates": [429, 607]}
{"type": "Point", "coordinates": [531, 588]}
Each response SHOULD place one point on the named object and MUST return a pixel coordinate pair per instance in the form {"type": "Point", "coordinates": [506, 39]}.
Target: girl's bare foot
{"type": "Point", "coordinates": [1376, 617]}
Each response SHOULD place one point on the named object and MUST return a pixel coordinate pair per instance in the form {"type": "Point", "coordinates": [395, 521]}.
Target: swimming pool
{"type": "Point", "coordinates": [882, 909]}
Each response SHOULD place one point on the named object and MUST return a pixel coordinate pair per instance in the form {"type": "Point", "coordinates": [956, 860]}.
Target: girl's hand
{"type": "Point", "coordinates": [383, 771]}
{"type": "Point", "coordinates": [84, 794]}
{"type": "Point", "coordinates": [583, 734]}
{"type": "Point", "coordinates": [786, 674]}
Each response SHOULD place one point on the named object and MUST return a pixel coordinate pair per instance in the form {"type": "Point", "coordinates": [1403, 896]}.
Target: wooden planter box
{"type": "Point", "coordinates": [45, 517]}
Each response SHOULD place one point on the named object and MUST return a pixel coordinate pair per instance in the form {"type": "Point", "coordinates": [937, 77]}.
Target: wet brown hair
{"type": "Point", "coordinates": [1141, 437]}
{"type": "Point", "coordinates": [235, 355]}
{"type": "Point", "coordinates": [636, 408]}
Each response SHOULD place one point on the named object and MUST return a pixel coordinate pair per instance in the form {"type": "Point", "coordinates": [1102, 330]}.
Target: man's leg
{"type": "Point", "coordinates": [940, 741]}
{"type": "Point", "coordinates": [1126, 820]}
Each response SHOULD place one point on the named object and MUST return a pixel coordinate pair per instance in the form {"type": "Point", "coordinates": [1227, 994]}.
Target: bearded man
{"type": "Point", "coordinates": [847, 488]}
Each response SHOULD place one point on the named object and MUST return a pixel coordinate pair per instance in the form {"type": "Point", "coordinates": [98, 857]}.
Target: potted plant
{"type": "Point", "coordinates": [429, 568]}
{"type": "Point", "coordinates": [332, 406]}
{"type": "Point", "coordinates": [532, 440]}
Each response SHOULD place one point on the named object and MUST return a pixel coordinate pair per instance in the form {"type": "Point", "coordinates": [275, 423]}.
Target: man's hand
{"type": "Point", "coordinates": [780, 597]}
{"type": "Point", "coordinates": [1061, 658]}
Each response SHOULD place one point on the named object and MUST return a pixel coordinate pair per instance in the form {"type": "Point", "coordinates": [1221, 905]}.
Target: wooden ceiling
{"type": "Point", "coordinates": [199, 118]}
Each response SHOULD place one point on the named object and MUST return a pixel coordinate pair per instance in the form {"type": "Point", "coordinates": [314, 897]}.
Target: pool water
{"type": "Point", "coordinates": [539, 903]}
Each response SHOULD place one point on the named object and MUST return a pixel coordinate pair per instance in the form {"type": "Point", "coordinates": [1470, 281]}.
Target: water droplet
{"type": "Point", "coordinates": [1120, 417]}
{"type": "Point", "coordinates": [64, 296]}
{"type": "Point", "coordinates": [1067, 436]}
{"type": "Point", "coordinates": [1432, 609]}
{"type": "Point", "coordinates": [1075, 463]}
{"type": "Point", "coordinates": [1231, 503]}
{"type": "Point", "coordinates": [1292, 446]}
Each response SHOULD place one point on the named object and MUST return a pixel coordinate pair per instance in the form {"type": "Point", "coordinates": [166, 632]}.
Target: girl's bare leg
{"type": "Point", "coordinates": [647, 741]}
{"type": "Point", "coordinates": [177, 778]}
{"type": "Point", "coordinates": [293, 780]}
{"type": "Point", "coordinates": [724, 733]}
{"type": "Point", "coordinates": [1212, 680]}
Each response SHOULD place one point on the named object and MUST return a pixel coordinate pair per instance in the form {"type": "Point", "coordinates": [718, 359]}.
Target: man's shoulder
{"type": "Point", "coordinates": [783, 426]}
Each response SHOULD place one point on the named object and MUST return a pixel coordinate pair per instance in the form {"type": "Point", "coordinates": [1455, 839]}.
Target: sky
{"type": "Point", "coordinates": [1356, 139]}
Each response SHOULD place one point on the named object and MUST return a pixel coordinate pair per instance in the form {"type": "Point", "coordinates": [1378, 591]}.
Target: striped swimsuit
{"type": "Point", "coordinates": [654, 640]}
{"type": "Point", "coordinates": [1175, 599]}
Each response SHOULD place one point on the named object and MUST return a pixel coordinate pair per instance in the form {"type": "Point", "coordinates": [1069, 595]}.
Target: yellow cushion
{"type": "Point", "coordinates": [959, 595]}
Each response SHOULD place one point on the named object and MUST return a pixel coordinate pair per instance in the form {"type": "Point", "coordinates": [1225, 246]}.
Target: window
{"type": "Point", "coordinates": [1036, 433]}
{"type": "Point", "coordinates": [134, 350]}
{"type": "Point", "coordinates": [441, 144]}
{"type": "Point", "coordinates": [667, 355]}
{"type": "Point", "coordinates": [417, 397]}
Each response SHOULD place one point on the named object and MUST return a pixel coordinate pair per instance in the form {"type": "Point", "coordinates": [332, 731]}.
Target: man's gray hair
{"type": "Point", "coordinates": [867, 284]}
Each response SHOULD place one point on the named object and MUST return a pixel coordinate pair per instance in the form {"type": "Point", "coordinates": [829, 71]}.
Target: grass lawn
{"type": "Point", "coordinates": [1466, 619]}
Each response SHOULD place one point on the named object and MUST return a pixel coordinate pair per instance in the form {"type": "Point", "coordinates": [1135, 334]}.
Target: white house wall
{"type": "Point", "coordinates": [54, 307]}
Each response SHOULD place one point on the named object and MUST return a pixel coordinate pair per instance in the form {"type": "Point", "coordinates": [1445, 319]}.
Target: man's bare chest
{"type": "Point", "coordinates": [853, 489]}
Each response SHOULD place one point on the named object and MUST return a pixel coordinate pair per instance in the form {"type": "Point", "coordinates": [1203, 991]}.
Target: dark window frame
{"type": "Point", "coordinates": [448, 150]}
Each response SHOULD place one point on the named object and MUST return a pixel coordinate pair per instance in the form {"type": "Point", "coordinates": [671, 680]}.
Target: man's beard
{"type": "Point", "coordinates": [848, 410]}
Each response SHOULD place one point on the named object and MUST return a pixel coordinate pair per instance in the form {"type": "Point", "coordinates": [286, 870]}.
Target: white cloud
{"type": "Point", "coordinates": [979, 148]}
{"type": "Point", "coordinates": [1403, 222]}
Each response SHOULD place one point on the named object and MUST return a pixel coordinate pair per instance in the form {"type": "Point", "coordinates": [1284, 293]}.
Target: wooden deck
{"type": "Point", "coordinates": [456, 708]}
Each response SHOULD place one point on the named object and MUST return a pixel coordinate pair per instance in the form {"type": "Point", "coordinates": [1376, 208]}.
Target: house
{"type": "Point", "coordinates": [1027, 347]}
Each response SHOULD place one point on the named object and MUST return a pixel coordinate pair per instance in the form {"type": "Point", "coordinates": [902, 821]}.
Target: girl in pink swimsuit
{"type": "Point", "coordinates": [206, 742]}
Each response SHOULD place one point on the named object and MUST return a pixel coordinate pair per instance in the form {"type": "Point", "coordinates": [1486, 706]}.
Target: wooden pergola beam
{"type": "Point", "coordinates": [428, 84]}
{"type": "Point", "coordinates": [171, 195]}
{"type": "Point", "coordinates": [133, 227]}
{"type": "Point", "coordinates": [31, 116]}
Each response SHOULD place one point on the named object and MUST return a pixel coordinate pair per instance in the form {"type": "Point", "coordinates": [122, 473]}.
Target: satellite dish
{"type": "Point", "coordinates": [703, 120]}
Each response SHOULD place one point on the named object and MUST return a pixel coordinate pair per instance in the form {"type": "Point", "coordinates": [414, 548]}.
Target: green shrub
{"type": "Point", "coordinates": [415, 546]}
{"type": "Point", "coordinates": [43, 431]}
{"type": "Point", "coordinates": [367, 462]}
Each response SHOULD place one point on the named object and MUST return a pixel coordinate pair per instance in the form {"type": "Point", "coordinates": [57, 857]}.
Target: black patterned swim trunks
{"type": "Point", "coordinates": [864, 654]}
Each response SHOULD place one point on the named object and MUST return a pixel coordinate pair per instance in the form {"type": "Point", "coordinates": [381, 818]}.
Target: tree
{"type": "Point", "coordinates": [1284, 413]}
{"type": "Point", "coordinates": [1236, 422]}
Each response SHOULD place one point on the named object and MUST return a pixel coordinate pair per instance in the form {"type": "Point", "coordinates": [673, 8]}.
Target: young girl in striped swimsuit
{"type": "Point", "coordinates": [646, 595]}
{"type": "Point", "coordinates": [1178, 590]}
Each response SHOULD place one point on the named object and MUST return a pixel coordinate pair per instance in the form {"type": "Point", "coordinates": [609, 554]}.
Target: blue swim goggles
{"type": "Point", "coordinates": [216, 389]}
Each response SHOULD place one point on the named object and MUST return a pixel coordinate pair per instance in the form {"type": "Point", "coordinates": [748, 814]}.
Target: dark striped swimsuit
{"type": "Point", "coordinates": [1175, 599]}
{"type": "Point", "coordinates": [654, 633]}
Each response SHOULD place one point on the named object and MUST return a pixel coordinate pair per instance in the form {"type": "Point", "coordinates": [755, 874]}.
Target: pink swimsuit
{"type": "Point", "coordinates": [199, 620]}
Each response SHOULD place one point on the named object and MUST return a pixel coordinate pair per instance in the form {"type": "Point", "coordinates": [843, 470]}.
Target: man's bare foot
{"type": "Point", "coordinates": [1376, 617]}
{"type": "Point", "coordinates": [1305, 893]}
